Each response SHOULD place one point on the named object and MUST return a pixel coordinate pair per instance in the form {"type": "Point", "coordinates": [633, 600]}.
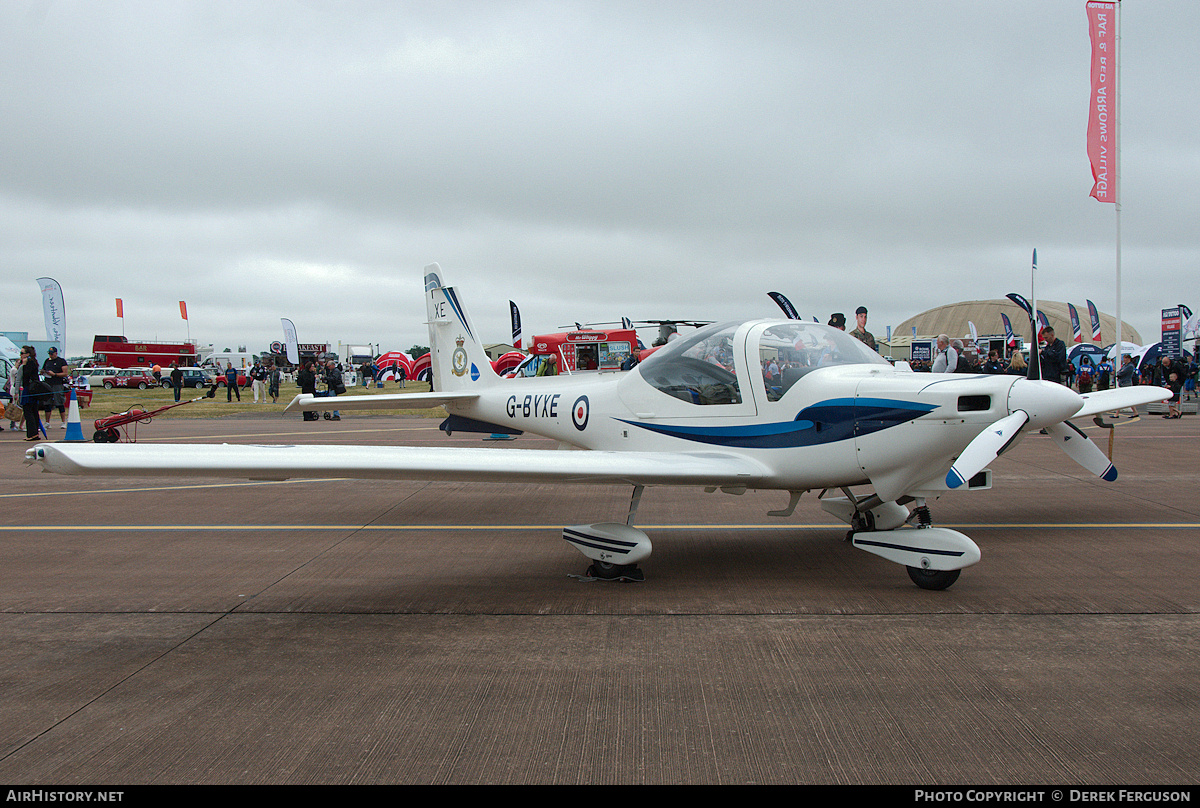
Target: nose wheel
{"type": "Point", "coordinates": [934, 580]}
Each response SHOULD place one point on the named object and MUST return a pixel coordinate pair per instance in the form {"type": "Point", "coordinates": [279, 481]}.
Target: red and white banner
{"type": "Point", "coordinates": [183, 309]}
{"type": "Point", "coordinates": [1102, 106]}
{"type": "Point", "coordinates": [1094, 314]}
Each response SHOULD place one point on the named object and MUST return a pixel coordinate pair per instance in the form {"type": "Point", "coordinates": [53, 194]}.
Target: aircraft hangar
{"type": "Point", "coordinates": [953, 319]}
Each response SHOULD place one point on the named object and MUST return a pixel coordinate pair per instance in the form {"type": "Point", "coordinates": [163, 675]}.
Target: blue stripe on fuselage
{"type": "Point", "coordinates": [826, 422]}
{"type": "Point", "coordinates": [749, 436]}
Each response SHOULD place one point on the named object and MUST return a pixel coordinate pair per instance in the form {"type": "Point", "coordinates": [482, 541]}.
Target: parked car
{"type": "Point", "coordinates": [192, 377]}
{"type": "Point", "coordinates": [243, 379]}
{"type": "Point", "coordinates": [141, 378]}
{"type": "Point", "coordinates": [93, 376]}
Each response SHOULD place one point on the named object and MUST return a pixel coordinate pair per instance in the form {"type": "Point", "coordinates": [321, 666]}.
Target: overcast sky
{"type": "Point", "coordinates": [588, 160]}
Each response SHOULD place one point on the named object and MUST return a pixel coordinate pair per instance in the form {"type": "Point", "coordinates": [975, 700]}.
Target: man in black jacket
{"type": "Point", "coordinates": [307, 380]}
{"type": "Point", "coordinates": [56, 373]}
{"type": "Point", "coordinates": [1053, 357]}
{"type": "Point", "coordinates": [334, 385]}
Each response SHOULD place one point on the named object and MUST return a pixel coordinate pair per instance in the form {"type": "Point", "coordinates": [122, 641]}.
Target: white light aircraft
{"type": "Point", "coordinates": [701, 411]}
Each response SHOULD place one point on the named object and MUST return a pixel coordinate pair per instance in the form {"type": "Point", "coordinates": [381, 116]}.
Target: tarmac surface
{"type": "Point", "coordinates": [159, 631]}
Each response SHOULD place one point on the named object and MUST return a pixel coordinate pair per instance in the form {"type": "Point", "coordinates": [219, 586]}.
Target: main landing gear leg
{"type": "Point", "coordinates": [863, 519]}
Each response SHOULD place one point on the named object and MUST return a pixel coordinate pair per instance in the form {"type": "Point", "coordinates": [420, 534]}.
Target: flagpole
{"type": "Point", "coordinates": [1117, 207]}
{"type": "Point", "coordinates": [1033, 318]}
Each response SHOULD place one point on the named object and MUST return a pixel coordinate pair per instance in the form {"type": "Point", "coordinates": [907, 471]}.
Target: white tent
{"type": "Point", "coordinates": [1131, 348]}
{"type": "Point", "coordinates": [8, 349]}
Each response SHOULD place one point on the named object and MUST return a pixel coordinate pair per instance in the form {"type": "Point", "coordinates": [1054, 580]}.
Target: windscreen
{"type": "Point", "coordinates": [698, 368]}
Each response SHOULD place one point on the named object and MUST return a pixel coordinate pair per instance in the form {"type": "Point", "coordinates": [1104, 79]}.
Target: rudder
{"type": "Point", "coordinates": [458, 360]}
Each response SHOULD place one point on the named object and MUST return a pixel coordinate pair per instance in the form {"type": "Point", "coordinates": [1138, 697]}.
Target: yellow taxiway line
{"type": "Point", "coordinates": [558, 526]}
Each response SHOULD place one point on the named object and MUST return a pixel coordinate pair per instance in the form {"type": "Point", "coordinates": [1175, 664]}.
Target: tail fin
{"type": "Point", "coordinates": [458, 359]}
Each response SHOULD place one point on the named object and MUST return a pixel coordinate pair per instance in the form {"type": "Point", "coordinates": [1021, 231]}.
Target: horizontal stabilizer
{"type": "Point", "coordinates": [394, 401]}
{"type": "Point", "coordinates": [257, 462]}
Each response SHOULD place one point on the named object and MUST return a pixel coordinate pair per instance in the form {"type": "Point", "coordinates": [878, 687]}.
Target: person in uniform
{"type": "Point", "coordinates": [860, 331]}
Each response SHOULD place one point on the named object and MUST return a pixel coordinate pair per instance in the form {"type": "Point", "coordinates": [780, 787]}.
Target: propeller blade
{"type": "Point", "coordinates": [1079, 447]}
{"type": "Point", "coordinates": [984, 448]}
{"type": "Point", "coordinates": [1120, 398]}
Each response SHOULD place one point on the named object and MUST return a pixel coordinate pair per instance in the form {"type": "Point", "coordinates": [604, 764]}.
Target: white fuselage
{"type": "Point", "coordinates": [833, 426]}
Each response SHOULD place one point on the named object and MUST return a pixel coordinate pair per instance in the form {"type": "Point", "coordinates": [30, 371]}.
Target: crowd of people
{"type": "Point", "coordinates": [35, 389]}
{"type": "Point", "coordinates": [1175, 374]}
{"type": "Point", "coordinates": [368, 373]}
{"type": "Point", "coordinates": [263, 377]}
{"type": "Point", "coordinates": [321, 379]}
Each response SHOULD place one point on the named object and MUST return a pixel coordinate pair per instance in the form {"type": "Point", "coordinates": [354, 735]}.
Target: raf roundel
{"type": "Point", "coordinates": [579, 413]}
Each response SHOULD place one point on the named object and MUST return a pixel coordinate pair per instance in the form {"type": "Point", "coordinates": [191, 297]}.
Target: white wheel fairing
{"type": "Point", "coordinates": [931, 548]}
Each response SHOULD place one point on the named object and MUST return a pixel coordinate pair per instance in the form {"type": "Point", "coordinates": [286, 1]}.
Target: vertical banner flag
{"type": "Point", "coordinates": [120, 309]}
{"type": "Point", "coordinates": [54, 310]}
{"type": "Point", "coordinates": [1075, 329]}
{"type": "Point", "coordinates": [1010, 338]}
{"type": "Point", "coordinates": [1190, 321]}
{"type": "Point", "coordinates": [1023, 303]}
{"type": "Point", "coordinates": [515, 316]}
{"type": "Point", "coordinates": [1102, 109]}
{"type": "Point", "coordinates": [785, 305]}
{"type": "Point", "coordinates": [183, 309]}
{"type": "Point", "coordinates": [1095, 317]}
{"type": "Point", "coordinates": [1035, 365]}
{"type": "Point", "coordinates": [289, 337]}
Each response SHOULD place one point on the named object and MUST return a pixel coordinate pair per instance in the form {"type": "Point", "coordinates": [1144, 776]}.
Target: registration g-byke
{"type": "Point", "coordinates": [533, 406]}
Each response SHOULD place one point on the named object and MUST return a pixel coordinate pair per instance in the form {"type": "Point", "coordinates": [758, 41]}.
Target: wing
{"type": "Point", "coordinates": [400, 401]}
{"type": "Point", "coordinates": [398, 463]}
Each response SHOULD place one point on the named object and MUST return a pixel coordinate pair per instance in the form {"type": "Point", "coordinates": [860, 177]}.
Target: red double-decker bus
{"type": "Point", "coordinates": [119, 352]}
